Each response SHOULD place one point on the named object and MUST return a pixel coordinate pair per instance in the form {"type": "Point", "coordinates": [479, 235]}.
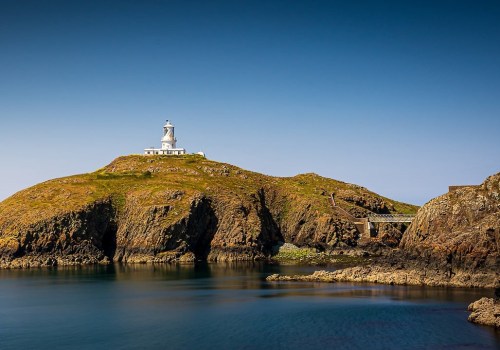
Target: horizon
{"type": "Point", "coordinates": [400, 98]}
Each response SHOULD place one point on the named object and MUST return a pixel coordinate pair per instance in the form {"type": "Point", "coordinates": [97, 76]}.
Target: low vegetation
{"type": "Point", "coordinates": [290, 254]}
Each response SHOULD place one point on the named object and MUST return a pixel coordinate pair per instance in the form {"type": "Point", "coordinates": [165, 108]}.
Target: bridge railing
{"type": "Point", "coordinates": [391, 217]}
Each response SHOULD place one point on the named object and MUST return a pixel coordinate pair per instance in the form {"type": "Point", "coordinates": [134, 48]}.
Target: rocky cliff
{"type": "Point", "coordinates": [185, 208]}
{"type": "Point", "coordinates": [459, 230]}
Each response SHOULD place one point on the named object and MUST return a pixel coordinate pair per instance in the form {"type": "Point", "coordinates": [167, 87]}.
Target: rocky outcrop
{"type": "Point", "coordinates": [485, 311]}
{"type": "Point", "coordinates": [454, 240]}
{"type": "Point", "coordinates": [399, 275]}
{"type": "Point", "coordinates": [459, 230]}
{"type": "Point", "coordinates": [160, 209]}
{"type": "Point", "coordinates": [370, 203]}
{"type": "Point", "coordinates": [76, 237]}
{"type": "Point", "coordinates": [212, 229]}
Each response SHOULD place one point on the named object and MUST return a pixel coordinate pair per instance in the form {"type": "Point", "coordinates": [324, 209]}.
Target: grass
{"type": "Point", "coordinates": [309, 256]}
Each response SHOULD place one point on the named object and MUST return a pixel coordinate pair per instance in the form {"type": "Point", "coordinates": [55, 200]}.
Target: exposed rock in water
{"type": "Point", "coordinates": [485, 311]}
{"type": "Point", "coordinates": [161, 209]}
{"type": "Point", "coordinates": [400, 275]}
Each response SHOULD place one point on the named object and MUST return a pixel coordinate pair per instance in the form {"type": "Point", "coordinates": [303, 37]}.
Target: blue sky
{"type": "Point", "coordinates": [402, 97]}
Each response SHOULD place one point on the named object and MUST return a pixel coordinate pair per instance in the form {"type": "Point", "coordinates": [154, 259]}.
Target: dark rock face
{"type": "Point", "coordinates": [220, 229]}
{"type": "Point", "coordinates": [143, 233]}
{"type": "Point", "coordinates": [390, 234]}
{"type": "Point", "coordinates": [85, 236]}
{"type": "Point", "coordinates": [459, 230]}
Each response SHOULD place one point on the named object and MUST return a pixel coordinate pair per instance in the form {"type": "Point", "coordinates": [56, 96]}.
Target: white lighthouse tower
{"type": "Point", "coordinates": [168, 140]}
{"type": "Point", "coordinates": [168, 143]}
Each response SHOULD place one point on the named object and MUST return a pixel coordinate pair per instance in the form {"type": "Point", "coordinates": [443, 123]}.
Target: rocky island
{"type": "Point", "coordinates": [156, 209]}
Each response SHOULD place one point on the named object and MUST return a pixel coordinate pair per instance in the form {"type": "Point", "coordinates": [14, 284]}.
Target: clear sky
{"type": "Point", "coordinates": [402, 97]}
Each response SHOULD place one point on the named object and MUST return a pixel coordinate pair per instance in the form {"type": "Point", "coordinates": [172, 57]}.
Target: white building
{"type": "Point", "coordinates": [168, 143]}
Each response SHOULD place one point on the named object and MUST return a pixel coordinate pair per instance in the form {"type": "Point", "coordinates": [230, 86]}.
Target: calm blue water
{"type": "Point", "coordinates": [226, 306]}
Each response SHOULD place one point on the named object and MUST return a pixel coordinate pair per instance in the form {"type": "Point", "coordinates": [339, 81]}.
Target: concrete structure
{"type": "Point", "coordinates": [365, 226]}
{"type": "Point", "coordinates": [168, 143]}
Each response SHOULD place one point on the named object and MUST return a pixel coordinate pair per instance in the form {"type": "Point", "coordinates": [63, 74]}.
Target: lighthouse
{"type": "Point", "coordinates": [168, 140]}
{"type": "Point", "coordinates": [168, 143]}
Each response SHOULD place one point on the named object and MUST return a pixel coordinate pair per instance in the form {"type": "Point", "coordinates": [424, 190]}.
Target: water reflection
{"type": "Point", "coordinates": [239, 276]}
{"type": "Point", "coordinates": [225, 305]}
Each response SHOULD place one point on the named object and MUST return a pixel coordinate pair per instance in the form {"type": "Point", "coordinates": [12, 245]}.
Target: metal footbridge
{"type": "Point", "coordinates": [390, 217]}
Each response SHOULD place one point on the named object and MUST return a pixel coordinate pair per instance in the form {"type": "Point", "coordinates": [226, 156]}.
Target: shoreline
{"type": "Point", "coordinates": [397, 276]}
{"type": "Point", "coordinates": [348, 270]}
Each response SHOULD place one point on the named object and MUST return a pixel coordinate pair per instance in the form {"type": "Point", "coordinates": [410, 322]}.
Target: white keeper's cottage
{"type": "Point", "coordinates": [168, 143]}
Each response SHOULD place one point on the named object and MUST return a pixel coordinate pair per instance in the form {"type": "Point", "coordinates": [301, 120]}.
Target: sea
{"type": "Point", "coordinates": [227, 306]}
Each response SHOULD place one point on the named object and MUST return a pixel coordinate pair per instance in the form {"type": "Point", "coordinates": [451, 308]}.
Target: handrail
{"type": "Point", "coordinates": [391, 217]}
{"type": "Point", "coordinates": [374, 217]}
{"type": "Point", "coordinates": [345, 212]}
